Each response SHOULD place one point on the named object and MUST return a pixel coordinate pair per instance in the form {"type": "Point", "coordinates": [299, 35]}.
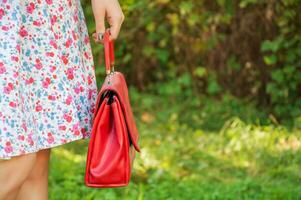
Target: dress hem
{"type": "Point", "coordinates": [50, 146]}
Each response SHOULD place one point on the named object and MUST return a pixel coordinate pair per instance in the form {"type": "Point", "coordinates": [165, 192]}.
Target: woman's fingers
{"type": "Point", "coordinates": [99, 12]}
{"type": "Point", "coordinates": [115, 25]}
{"type": "Point", "coordinates": [110, 11]}
{"type": "Point", "coordinates": [115, 18]}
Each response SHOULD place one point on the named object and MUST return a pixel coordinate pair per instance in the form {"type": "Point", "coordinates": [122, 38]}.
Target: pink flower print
{"type": "Point", "coordinates": [75, 129]}
{"type": "Point", "coordinates": [90, 93]}
{"type": "Point", "coordinates": [38, 64]}
{"type": "Point", "coordinates": [49, 2]}
{"type": "Point", "coordinates": [46, 82]}
{"type": "Point", "coordinates": [23, 32]}
{"type": "Point", "coordinates": [75, 126]}
{"type": "Point", "coordinates": [12, 104]}
{"type": "Point", "coordinates": [67, 117]}
{"type": "Point", "coordinates": [61, 8]}
{"type": "Point", "coordinates": [68, 43]}
{"type": "Point", "coordinates": [36, 23]}
{"type": "Point", "coordinates": [69, 3]}
{"type": "Point", "coordinates": [68, 100]}
{"type": "Point", "coordinates": [50, 138]}
{"type": "Point", "coordinates": [49, 54]}
{"type": "Point", "coordinates": [4, 28]}
{"type": "Point", "coordinates": [30, 8]}
{"type": "Point", "coordinates": [24, 126]}
{"type": "Point", "coordinates": [70, 74]}
{"type": "Point", "coordinates": [16, 74]}
{"type": "Point", "coordinates": [21, 137]}
{"type": "Point", "coordinates": [52, 68]}
{"type": "Point", "coordinates": [77, 90]}
{"type": "Point", "coordinates": [93, 109]}
{"type": "Point", "coordinates": [76, 132]}
{"type": "Point", "coordinates": [63, 141]}
{"type": "Point", "coordinates": [89, 80]}
{"type": "Point", "coordinates": [8, 88]}
{"type": "Point", "coordinates": [75, 17]}
{"type": "Point", "coordinates": [38, 108]}
{"type": "Point", "coordinates": [56, 36]}
{"type": "Point", "coordinates": [15, 58]}
{"type": "Point", "coordinates": [53, 19]}
{"type": "Point", "coordinates": [64, 59]}
{"type": "Point", "coordinates": [1, 13]}
{"type": "Point", "coordinates": [74, 35]}
{"type": "Point", "coordinates": [53, 43]}
{"type": "Point", "coordinates": [87, 39]}
{"type": "Point", "coordinates": [87, 56]}
{"type": "Point", "coordinates": [29, 81]}
{"type": "Point", "coordinates": [51, 97]}
{"type": "Point", "coordinates": [8, 148]}
{"type": "Point", "coordinates": [30, 140]}
{"type": "Point", "coordinates": [2, 68]}
{"type": "Point", "coordinates": [18, 47]}
{"type": "Point", "coordinates": [83, 130]}
{"type": "Point", "coordinates": [62, 127]}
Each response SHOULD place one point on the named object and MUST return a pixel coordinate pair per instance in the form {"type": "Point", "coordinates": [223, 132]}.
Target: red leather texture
{"type": "Point", "coordinates": [117, 84]}
{"type": "Point", "coordinates": [114, 134]}
{"type": "Point", "coordinates": [109, 51]}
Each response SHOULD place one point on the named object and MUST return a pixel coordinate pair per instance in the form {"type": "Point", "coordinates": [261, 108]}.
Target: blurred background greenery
{"type": "Point", "coordinates": [216, 91]}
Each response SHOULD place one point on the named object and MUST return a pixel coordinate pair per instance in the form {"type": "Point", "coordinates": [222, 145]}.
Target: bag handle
{"type": "Point", "coordinates": [109, 52]}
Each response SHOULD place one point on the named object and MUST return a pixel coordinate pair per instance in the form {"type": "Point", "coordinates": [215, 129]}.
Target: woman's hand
{"type": "Point", "coordinates": [109, 10]}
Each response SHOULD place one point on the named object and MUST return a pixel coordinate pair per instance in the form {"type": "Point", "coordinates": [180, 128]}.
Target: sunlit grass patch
{"type": "Point", "coordinates": [240, 159]}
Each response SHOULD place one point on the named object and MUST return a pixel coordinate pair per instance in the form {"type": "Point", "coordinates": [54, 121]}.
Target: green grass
{"type": "Point", "coordinates": [194, 148]}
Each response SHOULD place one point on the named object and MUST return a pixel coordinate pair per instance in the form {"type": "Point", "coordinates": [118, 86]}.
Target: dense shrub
{"type": "Point", "coordinates": [248, 48]}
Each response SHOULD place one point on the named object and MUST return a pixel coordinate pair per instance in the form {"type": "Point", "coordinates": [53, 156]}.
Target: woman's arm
{"type": "Point", "coordinates": [109, 10]}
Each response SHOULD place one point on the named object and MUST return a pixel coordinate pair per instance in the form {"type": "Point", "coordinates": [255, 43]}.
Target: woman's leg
{"type": "Point", "coordinates": [13, 173]}
{"type": "Point", "coordinates": [35, 186]}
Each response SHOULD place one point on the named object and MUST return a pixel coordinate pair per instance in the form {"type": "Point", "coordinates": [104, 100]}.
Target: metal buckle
{"type": "Point", "coordinates": [110, 73]}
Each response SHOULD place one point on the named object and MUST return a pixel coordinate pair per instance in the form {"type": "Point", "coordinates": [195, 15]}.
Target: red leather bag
{"type": "Point", "coordinates": [114, 137]}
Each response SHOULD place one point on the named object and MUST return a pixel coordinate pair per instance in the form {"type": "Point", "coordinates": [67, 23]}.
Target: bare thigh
{"type": "Point", "coordinates": [14, 172]}
{"type": "Point", "coordinates": [40, 167]}
{"type": "Point", "coordinates": [35, 186]}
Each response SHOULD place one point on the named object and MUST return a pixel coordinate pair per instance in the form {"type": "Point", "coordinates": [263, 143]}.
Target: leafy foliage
{"type": "Point", "coordinates": [249, 48]}
{"type": "Point", "coordinates": [282, 55]}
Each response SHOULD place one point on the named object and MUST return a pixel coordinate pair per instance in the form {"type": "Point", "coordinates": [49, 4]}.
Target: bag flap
{"type": "Point", "coordinates": [116, 82]}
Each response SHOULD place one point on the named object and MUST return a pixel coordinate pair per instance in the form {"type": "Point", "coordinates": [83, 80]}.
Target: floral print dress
{"type": "Point", "coordinates": [47, 80]}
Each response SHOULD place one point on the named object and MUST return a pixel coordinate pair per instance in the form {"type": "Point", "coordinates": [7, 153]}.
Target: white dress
{"type": "Point", "coordinates": [47, 80]}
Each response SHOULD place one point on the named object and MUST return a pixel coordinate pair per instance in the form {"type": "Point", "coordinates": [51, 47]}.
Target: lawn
{"type": "Point", "coordinates": [194, 148]}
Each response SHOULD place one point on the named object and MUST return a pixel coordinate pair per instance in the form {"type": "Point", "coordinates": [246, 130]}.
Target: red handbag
{"type": "Point", "coordinates": [114, 136]}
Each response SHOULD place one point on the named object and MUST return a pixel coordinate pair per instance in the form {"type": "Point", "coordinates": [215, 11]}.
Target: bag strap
{"type": "Point", "coordinates": [109, 52]}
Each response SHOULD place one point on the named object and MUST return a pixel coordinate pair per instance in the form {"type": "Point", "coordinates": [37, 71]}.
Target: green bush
{"type": "Point", "coordinates": [248, 48]}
